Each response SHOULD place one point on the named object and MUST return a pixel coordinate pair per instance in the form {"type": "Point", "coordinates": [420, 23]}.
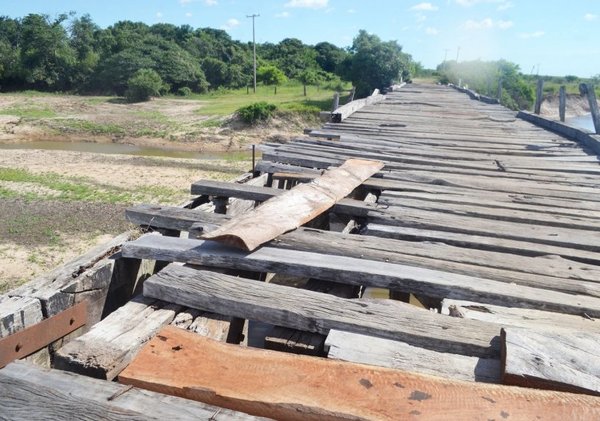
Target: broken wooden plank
{"type": "Point", "coordinates": [111, 344]}
{"type": "Point", "coordinates": [520, 317]}
{"type": "Point", "coordinates": [294, 207]}
{"type": "Point", "coordinates": [381, 352]}
{"type": "Point", "coordinates": [311, 311]}
{"type": "Point", "coordinates": [29, 392]}
{"type": "Point", "coordinates": [356, 271]}
{"type": "Point", "coordinates": [564, 361]}
{"type": "Point", "coordinates": [296, 387]}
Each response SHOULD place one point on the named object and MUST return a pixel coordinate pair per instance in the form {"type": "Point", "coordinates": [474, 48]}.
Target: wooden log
{"type": "Point", "coordinates": [562, 103]}
{"type": "Point", "coordinates": [405, 278]}
{"type": "Point", "coordinates": [295, 387]}
{"type": "Point", "coordinates": [294, 207]}
{"type": "Point", "coordinates": [29, 392]}
{"type": "Point", "coordinates": [568, 362]}
{"type": "Point", "coordinates": [520, 317]}
{"type": "Point", "coordinates": [538, 96]}
{"type": "Point", "coordinates": [381, 352]}
{"type": "Point", "coordinates": [311, 311]}
{"type": "Point", "coordinates": [111, 344]}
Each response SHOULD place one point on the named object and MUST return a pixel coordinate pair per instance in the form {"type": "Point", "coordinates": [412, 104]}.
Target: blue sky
{"type": "Point", "coordinates": [557, 36]}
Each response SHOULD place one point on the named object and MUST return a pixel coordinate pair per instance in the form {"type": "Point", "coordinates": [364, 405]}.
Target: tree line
{"type": "Point", "coordinates": [73, 54]}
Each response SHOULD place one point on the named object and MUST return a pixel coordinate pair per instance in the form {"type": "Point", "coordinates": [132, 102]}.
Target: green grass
{"type": "Point", "coordinates": [92, 127]}
{"type": "Point", "coordinates": [30, 112]}
{"type": "Point", "coordinates": [221, 103]}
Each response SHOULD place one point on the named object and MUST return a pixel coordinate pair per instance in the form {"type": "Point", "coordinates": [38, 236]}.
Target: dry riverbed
{"type": "Point", "coordinates": [56, 204]}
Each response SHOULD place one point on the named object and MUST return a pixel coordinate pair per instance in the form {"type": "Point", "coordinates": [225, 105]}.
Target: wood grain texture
{"type": "Point", "coordinates": [317, 312]}
{"type": "Point", "coordinates": [343, 269]}
{"type": "Point", "coordinates": [566, 361]}
{"type": "Point", "coordinates": [294, 387]}
{"type": "Point", "coordinates": [400, 355]}
{"type": "Point", "coordinates": [29, 392]}
{"type": "Point", "coordinates": [111, 344]}
{"type": "Point", "coordinates": [294, 207]}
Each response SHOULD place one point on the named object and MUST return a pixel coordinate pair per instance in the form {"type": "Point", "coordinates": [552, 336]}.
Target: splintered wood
{"type": "Point", "coordinates": [295, 207]}
{"type": "Point", "coordinates": [295, 387]}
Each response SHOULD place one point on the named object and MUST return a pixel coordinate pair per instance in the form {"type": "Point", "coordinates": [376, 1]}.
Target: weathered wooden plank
{"type": "Point", "coordinates": [568, 362]}
{"type": "Point", "coordinates": [29, 392]}
{"type": "Point", "coordinates": [111, 344]}
{"type": "Point", "coordinates": [520, 247]}
{"type": "Point", "coordinates": [342, 269]}
{"type": "Point", "coordinates": [17, 313]}
{"type": "Point", "coordinates": [381, 352]}
{"type": "Point", "coordinates": [294, 207]}
{"type": "Point", "coordinates": [317, 312]}
{"type": "Point", "coordinates": [346, 110]}
{"type": "Point", "coordinates": [295, 387]}
{"type": "Point", "coordinates": [520, 317]}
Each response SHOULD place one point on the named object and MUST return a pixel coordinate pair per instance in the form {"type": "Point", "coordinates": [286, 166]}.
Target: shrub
{"type": "Point", "coordinates": [184, 91]}
{"type": "Point", "coordinates": [259, 111]}
{"type": "Point", "coordinates": [145, 83]}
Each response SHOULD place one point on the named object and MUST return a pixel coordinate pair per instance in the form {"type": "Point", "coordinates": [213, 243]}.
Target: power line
{"type": "Point", "coordinates": [254, 15]}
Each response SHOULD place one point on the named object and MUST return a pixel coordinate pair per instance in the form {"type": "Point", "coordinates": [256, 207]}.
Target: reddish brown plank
{"type": "Point", "coordinates": [296, 387]}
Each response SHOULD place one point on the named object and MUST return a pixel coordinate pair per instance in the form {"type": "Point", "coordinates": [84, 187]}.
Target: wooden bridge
{"type": "Point", "coordinates": [471, 258]}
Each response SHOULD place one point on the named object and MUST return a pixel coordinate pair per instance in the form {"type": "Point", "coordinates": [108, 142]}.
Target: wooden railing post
{"type": "Point", "coordinates": [562, 103]}
{"type": "Point", "coordinates": [588, 89]}
{"type": "Point", "coordinates": [352, 92]}
{"type": "Point", "coordinates": [336, 101]}
{"type": "Point", "coordinates": [538, 96]}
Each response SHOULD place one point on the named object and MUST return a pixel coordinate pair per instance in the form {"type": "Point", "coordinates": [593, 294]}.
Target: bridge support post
{"type": "Point", "coordinates": [588, 89]}
{"type": "Point", "coordinates": [538, 96]}
{"type": "Point", "coordinates": [562, 103]}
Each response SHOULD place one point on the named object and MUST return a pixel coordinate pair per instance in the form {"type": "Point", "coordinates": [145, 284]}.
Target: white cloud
{"type": "Point", "coordinates": [188, 14]}
{"type": "Point", "coordinates": [431, 31]}
{"type": "Point", "coordinates": [159, 15]}
{"type": "Point", "coordinates": [231, 23]}
{"type": "Point", "coordinates": [426, 7]}
{"type": "Point", "coordinates": [283, 15]}
{"type": "Point", "coordinates": [487, 23]}
{"type": "Point", "coordinates": [184, 2]}
{"type": "Point", "coordinates": [590, 17]}
{"type": "Point", "coordinates": [307, 4]}
{"type": "Point", "coordinates": [211, 2]}
{"type": "Point", "coordinates": [421, 18]}
{"type": "Point", "coordinates": [504, 24]}
{"type": "Point", "coordinates": [527, 35]}
{"type": "Point", "coordinates": [351, 11]}
{"type": "Point", "coordinates": [505, 6]}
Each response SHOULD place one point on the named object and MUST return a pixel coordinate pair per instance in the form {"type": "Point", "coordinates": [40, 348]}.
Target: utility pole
{"type": "Point", "coordinates": [457, 52]}
{"type": "Point", "coordinates": [254, 15]}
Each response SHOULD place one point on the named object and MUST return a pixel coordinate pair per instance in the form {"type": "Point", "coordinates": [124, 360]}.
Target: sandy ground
{"type": "Point", "coordinates": [40, 230]}
{"type": "Point", "coordinates": [576, 106]}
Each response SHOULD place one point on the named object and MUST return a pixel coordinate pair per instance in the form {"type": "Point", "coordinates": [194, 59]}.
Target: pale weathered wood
{"type": "Point", "coordinates": [381, 352]}
{"type": "Point", "coordinates": [29, 392]}
{"type": "Point", "coordinates": [562, 102]}
{"type": "Point", "coordinates": [111, 344]}
{"type": "Point", "coordinates": [294, 207]}
{"type": "Point", "coordinates": [565, 361]}
{"type": "Point", "coordinates": [17, 313]}
{"type": "Point", "coordinates": [538, 96]}
{"type": "Point", "coordinates": [521, 317]}
{"type": "Point", "coordinates": [295, 387]}
{"type": "Point", "coordinates": [317, 312]}
{"type": "Point", "coordinates": [405, 278]}
{"type": "Point", "coordinates": [341, 113]}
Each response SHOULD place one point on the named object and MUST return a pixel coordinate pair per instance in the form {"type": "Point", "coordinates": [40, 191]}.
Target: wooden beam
{"type": "Point", "coordinates": [29, 392]}
{"type": "Point", "coordinates": [564, 361]}
{"type": "Point", "coordinates": [562, 103]}
{"type": "Point", "coordinates": [538, 96]}
{"type": "Point", "coordinates": [294, 207]}
{"type": "Point", "coordinates": [589, 90]}
{"type": "Point", "coordinates": [311, 311]}
{"type": "Point", "coordinates": [295, 387]}
{"type": "Point", "coordinates": [355, 271]}
{"type": "Point", "coordinates": [363, 349]}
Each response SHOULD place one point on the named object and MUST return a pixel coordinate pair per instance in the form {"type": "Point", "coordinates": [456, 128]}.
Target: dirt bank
{"type": "Point", "coordinates": [576, 106]}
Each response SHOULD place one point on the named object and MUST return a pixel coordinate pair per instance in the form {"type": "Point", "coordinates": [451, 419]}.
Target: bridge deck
{"type": "Point", "coordinates": [487, 219]}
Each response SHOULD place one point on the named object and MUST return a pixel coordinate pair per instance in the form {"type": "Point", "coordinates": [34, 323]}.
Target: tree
{"type": "Point", "coordinates": [374, 63]}
{"type": "Point", "coordinates": [329, 56]}
{"type": "Point", "coordinates": [270, 75]}
{"type": "Point", "coordinates": [309, 77]}
{"type": "Point", "coordinates": [143, 85]}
